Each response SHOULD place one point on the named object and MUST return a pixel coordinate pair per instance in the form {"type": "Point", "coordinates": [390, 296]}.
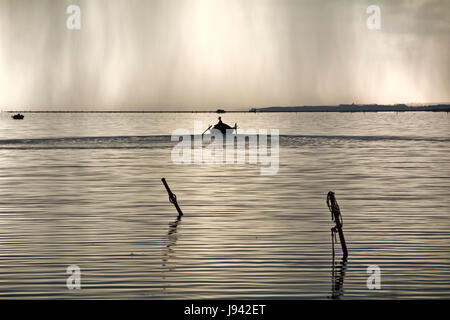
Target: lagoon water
{"type": "Point", "coordinates": [84, 189]}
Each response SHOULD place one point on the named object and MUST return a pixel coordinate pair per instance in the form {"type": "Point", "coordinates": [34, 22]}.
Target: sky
{"type": "Point", "coordinates": [232, 54]}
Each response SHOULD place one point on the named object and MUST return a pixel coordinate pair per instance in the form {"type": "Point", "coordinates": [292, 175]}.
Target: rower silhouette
{"type": "Point", "coordinates": [223, 127]}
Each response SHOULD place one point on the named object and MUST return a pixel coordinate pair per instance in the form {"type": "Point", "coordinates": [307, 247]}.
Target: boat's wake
{"type": "Point", "coordinates": [167, 141]}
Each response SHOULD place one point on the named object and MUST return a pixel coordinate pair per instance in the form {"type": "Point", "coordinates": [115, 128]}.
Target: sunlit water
{"type": "Point", "coordinates": [85, 189]}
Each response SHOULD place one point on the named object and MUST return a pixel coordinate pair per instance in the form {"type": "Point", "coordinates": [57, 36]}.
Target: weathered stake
{"type": "Point", "coordinates": [337, 218]}
{"type": "Point", "coordinates": [172, 197]}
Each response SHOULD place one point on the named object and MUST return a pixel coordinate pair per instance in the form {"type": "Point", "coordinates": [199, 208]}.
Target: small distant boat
{"type": "Point", "coordinates": [18, 116]}
{"type": "Point", "coordinates": [220, 111]}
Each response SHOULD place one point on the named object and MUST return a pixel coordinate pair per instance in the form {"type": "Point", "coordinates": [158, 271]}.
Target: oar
{"type": "Point", "coordinates": [206, 130]}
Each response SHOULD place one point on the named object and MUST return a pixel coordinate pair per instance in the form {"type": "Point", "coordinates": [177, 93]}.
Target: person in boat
{"type": "Point", "coordinates": [222, 127]}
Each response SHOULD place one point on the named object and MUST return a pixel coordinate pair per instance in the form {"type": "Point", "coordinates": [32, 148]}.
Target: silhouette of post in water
{"type": "Point", "coordinates": [337, 218]}
{"type": "Point", "coordinates": [172, 197]}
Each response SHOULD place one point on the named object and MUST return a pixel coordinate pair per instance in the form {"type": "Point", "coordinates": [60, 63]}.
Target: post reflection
{"type": "Point", "coordinates": [172, 241]}
{"type": "Point", "coordinates": [337, 278]}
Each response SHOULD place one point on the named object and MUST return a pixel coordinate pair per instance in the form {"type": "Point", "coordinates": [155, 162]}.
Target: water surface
{"type": "Point", "coordinates": [85, 189]}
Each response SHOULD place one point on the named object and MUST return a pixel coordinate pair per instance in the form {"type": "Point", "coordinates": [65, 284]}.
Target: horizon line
{"type": "Point", "coordinates": [410, 106]}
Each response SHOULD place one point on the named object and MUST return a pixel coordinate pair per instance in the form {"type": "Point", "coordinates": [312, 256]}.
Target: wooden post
{"type": "Point", "coordinates": [172, 197]}
{"type": "Point", "coordinates": [336, 215]}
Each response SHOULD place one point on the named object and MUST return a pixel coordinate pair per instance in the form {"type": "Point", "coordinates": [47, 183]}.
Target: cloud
{"type": "Point", "coordinates": [205, 53]}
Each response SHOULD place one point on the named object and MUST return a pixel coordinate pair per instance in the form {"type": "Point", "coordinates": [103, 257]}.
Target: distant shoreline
{"type": "Point", "coordinates": [358, 108]}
